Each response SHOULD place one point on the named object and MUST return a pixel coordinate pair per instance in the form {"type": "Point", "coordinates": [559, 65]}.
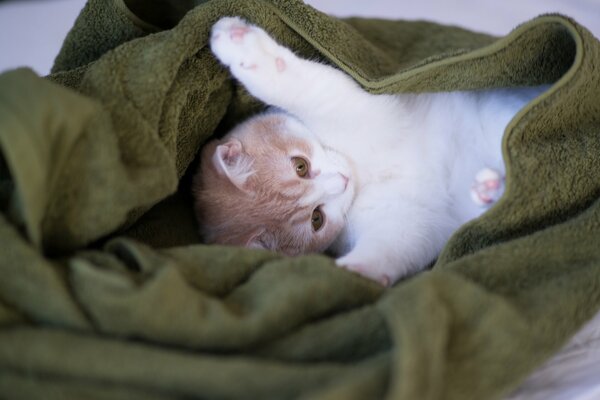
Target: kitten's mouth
{"type": "Point", "coordinates": [346, 180]}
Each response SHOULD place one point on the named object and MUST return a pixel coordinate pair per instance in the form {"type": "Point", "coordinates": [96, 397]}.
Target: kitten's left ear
{"type": "Point", "coordinates": [231, 161]}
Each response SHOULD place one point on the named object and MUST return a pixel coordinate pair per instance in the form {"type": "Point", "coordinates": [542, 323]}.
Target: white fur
{"type": "Point", "coordinates": [412, 158]}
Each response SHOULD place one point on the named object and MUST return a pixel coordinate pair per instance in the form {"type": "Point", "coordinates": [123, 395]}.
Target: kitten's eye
{"type": "Point", "coordinates": [301, 166]}
{"type": "Point", "coordinates": [317, 219]}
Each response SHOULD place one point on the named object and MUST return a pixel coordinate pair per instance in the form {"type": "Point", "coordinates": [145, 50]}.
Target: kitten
{"type": "Point", "coordinates": [380, 181]}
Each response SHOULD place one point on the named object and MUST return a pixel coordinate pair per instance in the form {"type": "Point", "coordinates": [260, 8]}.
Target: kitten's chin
{"type": "Point", "coordinates": [339, 247]}
{"type": "Point", "coordinates": [340, 244]}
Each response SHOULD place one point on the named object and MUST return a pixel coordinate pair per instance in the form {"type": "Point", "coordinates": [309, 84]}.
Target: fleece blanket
{"type": "Point", "coordinates": [107, 293]}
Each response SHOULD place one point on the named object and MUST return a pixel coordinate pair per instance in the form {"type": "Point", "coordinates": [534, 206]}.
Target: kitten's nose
{"type": "Point", "coordinates": [333, 183]}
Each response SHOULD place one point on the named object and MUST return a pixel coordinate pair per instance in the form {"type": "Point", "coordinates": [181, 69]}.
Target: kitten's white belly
{"type": "Point", "coordinates": [435, 168]}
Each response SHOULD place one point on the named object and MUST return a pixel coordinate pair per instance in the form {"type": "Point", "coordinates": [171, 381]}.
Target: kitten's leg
{"type": "Point", "coordinates": [276, 76]}
{"type": "Point", "coordinates": [397, 238]}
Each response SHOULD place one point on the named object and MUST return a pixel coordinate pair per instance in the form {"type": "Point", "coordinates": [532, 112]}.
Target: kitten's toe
{"type": "Point", "coordinates": [232, 28]}
{"type": "Point", "coordinates": [385, 280]}
{"type": "Point", "coordinates": [488, 187]}
{"type": "Point", "coordinates": [224, 35]}
{"type": "Point", "coordinates": [226, 24]}
{"type": "Point", "coordinates": [243, 47]}
{"type": "Point", "coordinates": [364, 269]}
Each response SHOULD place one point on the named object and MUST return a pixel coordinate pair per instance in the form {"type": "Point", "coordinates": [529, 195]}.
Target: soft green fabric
{"type": "Point", "coordinates": [105, 292]}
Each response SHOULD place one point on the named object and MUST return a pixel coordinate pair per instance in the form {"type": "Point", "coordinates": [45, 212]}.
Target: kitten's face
{"type": "Point", "coordinates": [269, 184]}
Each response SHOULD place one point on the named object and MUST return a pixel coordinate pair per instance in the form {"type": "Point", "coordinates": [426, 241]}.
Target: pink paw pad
{"type": "Point", "coordinates": [488, 187]}
{"type": "Point", "coordinates": [280, 64]}
{"type": "Point", "coordinates": [237, 33]}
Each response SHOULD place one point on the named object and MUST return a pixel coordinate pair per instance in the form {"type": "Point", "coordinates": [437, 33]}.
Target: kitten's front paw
{"type": "Point", "coordinates": [244, 47]}
{"type": "Point", "coordinates": [365, 269]}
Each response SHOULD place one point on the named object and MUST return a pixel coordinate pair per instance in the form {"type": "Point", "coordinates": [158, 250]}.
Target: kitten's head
{"type": "Point", "coordinates": [269, 184]}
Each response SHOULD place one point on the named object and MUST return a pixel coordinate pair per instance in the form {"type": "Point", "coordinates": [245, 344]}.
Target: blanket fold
{"type": "Point", "coordinates": [107, 293]}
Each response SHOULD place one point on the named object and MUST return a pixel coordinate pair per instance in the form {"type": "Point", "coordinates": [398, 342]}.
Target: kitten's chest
{"type": "Point", "coordinates": [431, 139]}
{"type": "Point", "coordinates": [399, 158]}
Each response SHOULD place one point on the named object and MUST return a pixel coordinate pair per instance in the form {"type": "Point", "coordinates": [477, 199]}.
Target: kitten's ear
{"type": "Point", "coordinates": [231, 161]}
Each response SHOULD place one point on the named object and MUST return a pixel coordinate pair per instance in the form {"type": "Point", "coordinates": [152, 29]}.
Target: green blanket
{"type": "Point", "coordinates": [106, 292]}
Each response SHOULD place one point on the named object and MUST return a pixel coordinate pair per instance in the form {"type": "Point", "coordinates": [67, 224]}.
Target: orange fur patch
{"type": "Point", "coordinates": [268, 208]}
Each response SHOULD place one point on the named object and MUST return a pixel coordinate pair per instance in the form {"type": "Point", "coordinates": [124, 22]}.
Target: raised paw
{"type": "Point", "coordinates": [244, 47]}
{"type": "Point", "coordinates": [488, 187]}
